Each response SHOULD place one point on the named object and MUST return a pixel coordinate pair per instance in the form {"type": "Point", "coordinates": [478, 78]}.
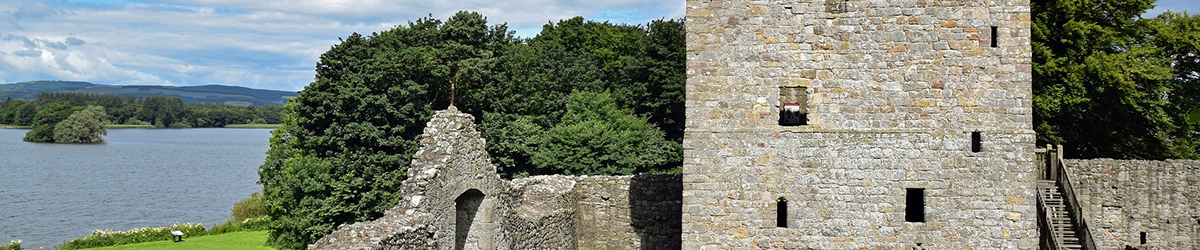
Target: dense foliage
{"type": "Point", "coordinates": [1108, 83]}
{"type": "Point", "coordinates": [347, 139]}
{"type": "Point", "coordinates": [157, 111]}
{"type": "Point", "coordinates": [250, 207]}
{"type": "Point", "coordinates": [45, 120]}
{"type": "Point", "coordinates": [84, 126]}
{"type": "Point", "coordinates": [594, 136]}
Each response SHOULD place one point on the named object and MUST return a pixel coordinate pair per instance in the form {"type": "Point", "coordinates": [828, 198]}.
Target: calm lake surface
{"type": "Point", "coordinates": [51, 193]}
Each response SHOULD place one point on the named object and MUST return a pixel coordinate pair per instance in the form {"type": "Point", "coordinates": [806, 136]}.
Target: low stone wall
{"type": "Point", "coordinates": [629, 212]}
{"type": "Point", "coordinates": [1121, 199]}
{"type": "Point", "coordinates": [453, 199]}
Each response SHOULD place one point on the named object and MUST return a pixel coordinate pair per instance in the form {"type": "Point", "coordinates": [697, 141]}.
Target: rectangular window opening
{"type": "Point", "coordinates": [914, 207]}
{"type": "Point", "coordinates": [793, 110]}
{"type": "Point", "coordinates": [1143, 238]}
{"type": "Point", "coordinates": [976, 142]}
{"type": "Point", "coordinates": [781, 212]}
{"type": "Point", "coordinates": [995, 37]}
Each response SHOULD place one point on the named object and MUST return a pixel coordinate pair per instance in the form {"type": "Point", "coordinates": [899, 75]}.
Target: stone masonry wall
{"type": "Point", "coordinates": [894, 89]}
{"type": "Point", "coordinates": [847, 191]}
{"type": "Point", "coordinates": [897, 64]}
{"type": "Point", "coordinates": [452, 170]}
{"type": "Point", "coordinates": [1120, 199]}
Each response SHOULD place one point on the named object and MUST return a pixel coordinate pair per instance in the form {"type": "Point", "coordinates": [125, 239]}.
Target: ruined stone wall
{"type": "Point", "coordinates": [1120, 199]}
{"type": "Point", "coordinates": [629, 212]}
{"type": "Point", "coordinates": [453, 199]}
{"type": "Point", "coordinates": [893, 91]}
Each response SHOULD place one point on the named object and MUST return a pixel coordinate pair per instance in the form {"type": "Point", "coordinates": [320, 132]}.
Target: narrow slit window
{"type": "Point", "coordinates": [781, 212]}
{"type": "Point", "coordinates": [1143, 238]}
{"type": "Point", "coordinates": [914, 207]}
{"type": "Point", "coordinates": [793, 102]}
{"type": "Point", "coordinates": [995, 37]}
{"type": "Point", "coordinates": [976, 142]}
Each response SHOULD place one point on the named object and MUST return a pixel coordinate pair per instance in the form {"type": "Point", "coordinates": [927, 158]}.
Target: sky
{"type": "Point", "coordinates": [272, 44]}
{"type": "Point", "coordinates": [1160, 6]}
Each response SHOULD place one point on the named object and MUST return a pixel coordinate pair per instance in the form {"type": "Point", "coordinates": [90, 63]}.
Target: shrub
{"type": "Point", "coordinates": [104, 238]}
{"type": "Point", "coordinates": [251, 224]}
{"type": "Point", "coordinates": [250, 207]}
{"type": "Point", "coordinates": [12, 245]}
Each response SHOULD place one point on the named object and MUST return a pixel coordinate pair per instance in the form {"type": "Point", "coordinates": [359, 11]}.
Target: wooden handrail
{"type": "Point", "coordinates": [1081, 227]}
{"type": "Point", "coordinates": [1044, 222]}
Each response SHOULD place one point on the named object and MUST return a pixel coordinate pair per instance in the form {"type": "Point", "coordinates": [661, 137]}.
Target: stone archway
{"type": "Point", "coordinates": [466, 206]}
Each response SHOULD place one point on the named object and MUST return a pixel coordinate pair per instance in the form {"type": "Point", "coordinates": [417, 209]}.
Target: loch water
{"type": "Point", "coordinates": [51, 193]}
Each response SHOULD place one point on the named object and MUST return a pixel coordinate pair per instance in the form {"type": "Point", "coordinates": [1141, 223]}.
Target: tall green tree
{"type": "Point", "coordinates": [1108, 83]}
{"type": "Point", "coordinates": [162, 111]}
{"type": "Point", "coordinates": [642, 66]}
{"type": "Point", "coordinates": [46, 119]}
{"type": "Point", "coordinates": [349, 136]}
{"type": "Point", "coordinates": [595, 136]}
{"type": "Point", "coordinates": [84, 126]}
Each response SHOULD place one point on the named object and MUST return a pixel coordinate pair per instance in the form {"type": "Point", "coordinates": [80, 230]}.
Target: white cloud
{"type": "Point", "coordinates": [261, 44]}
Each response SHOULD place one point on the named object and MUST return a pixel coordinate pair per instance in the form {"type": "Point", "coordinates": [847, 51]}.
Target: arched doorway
{"type": "Point", "coordinates": [465, 208]}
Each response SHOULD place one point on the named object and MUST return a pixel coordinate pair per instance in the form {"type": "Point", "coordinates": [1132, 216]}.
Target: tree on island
{"type": "Point", "coordinates": [63, 124]}
{"type": "Point", "coordinates": [44, 121]}
{"type": "Point", "coordinates": [84, 126]}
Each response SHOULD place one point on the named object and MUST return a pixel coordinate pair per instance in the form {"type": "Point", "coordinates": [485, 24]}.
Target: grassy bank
{"type": "Point", "coordinates": [13, 126]}
{"type": "Point", "coordinates": [246, 240]}
{"type": "Point", "coordinates": [253, 125]}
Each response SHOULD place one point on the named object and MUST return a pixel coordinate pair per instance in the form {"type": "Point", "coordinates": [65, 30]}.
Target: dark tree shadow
{"type": "Point", "coordinates": [655, 210]}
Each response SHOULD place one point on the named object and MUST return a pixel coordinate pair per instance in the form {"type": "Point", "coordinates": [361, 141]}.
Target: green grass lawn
{"type": "Point", "coordinates": [253, 125]}
{"type": "Point", "coordinates": [246, 240]}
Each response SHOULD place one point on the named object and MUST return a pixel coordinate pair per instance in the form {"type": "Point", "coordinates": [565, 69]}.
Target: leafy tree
{"type": "Point", "coordinates": [84, 126]}
{"type": "Point", "coordinates": [1110, 84]}
{"type": "Point", "coordinates": [17, 112]}
{"type": "Point", "coordinates": [511, 139]}
{"type": "Point", "coordinates": [162, 111]}
{"type": "Point", "coordinates": [595, 136]}
{"type": "Point", "coordinates": [46, 119]}
{"type": "Point", "coordinates": [643, 68]}
{"type": "Point", "coordinates": [347, 139]}
{"type": "Point", "coordinates": [349, 136]}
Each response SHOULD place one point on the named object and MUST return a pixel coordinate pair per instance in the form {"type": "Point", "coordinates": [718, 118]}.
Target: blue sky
{"type": "Point", "coordinates": [258, 44]}
{"type": "Point", "coordinates": [1160, 6]}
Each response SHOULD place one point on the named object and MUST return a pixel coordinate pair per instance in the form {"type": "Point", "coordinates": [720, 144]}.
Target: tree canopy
{"type": "Point", "coordinates": [84, 126]}
{"type": "Point", "coordinates": [157, 111]}
{"type": "Point", "coordinates": [1108, 83]}
{"type": "Point", "coordinates": [348, 138]}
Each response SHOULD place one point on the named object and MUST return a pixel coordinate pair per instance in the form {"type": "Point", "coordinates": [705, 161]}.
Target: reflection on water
{"type": "Point", "coordinates": [50, 193]}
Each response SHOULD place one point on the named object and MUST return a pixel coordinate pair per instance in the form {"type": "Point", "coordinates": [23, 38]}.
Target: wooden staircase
{"type": "Point", "coordinates": [1060, 220]}
{"type": "Point", "coordinates": [1060, 226]}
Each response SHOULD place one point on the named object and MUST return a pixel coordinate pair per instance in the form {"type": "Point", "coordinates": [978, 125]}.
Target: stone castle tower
{"type": "Point", "coordinates": [859, 124]}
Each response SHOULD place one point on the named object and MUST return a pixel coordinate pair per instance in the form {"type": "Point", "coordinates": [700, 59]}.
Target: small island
{"type": "Point", "coordinates": [63, 124]}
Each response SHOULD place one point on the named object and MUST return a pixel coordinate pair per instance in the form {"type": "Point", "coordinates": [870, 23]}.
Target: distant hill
{"type": "Point", "coordinates": [220, 94]}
